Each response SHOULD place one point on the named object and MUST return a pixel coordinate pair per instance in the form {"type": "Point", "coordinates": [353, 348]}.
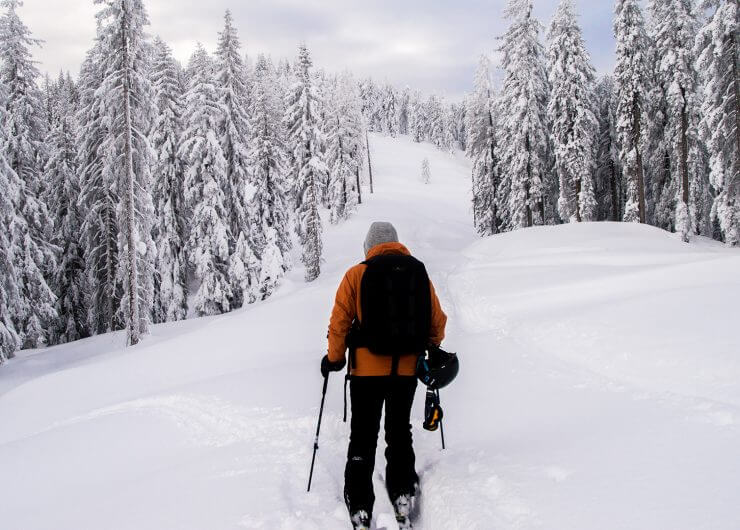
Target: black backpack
{"type": "Point", "coordinates": [396, 305]}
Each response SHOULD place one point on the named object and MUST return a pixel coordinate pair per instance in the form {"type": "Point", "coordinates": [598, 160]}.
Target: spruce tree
{"type": "Point", "coordinates": [98, 200]}
{"type": "Point", "coordinates": [417, 118]}
{"type": "Point", "coordinates": [171, 289]}
{"type": "Point", "coordinates": [435, 118]}
{"type": "Point", "coordinates": [310, 168]}
{"type": "Point", "coordinates": [372, 109]}
{"type": "Point", "coordinates": [522, 138]}
{"type": "Point", "coordinates": [608, 180]}
{"type": "Point", "coordinates": [426, 173]}
{"type": "Point", "coordinates": [481, 128]}
{"type": "Point", "coordinates": [269, 165]}
{"type": "Point", "coordinates": [205, 182]}
{"type": "Point", "coordinates": [461, 124]}
{"type": "Point", "coordinates": [403, 111]}
{"type": "Point", "coordinates": [449, 126]}
{"type": "Point", "coordinates": [675, 29]}
{"type": "Point", "coordinates": [571, 115]}
{"type": "Point", "coordinates": [631, 88]}
{"type": "Point", "coordinates": [719, 63]}
{"type": "Point", "coordinates": [10, 291]}
{"type": "Point", "coordinates": [25, 130]}
{"type": "Point", "coordinates": [62, 174]}
{"type": "Point", "coordinates": [127, 98]}
{"type": "Point", "coordinates": [233, 134]}
{"type": "Point", "coordinates": [390, 111]}
{"type": "Point", "coordinates": [345, 149]}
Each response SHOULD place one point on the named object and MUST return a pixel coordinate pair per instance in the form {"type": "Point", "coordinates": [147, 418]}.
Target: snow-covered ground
{"type": "Point", "coordinates": [600, 388]}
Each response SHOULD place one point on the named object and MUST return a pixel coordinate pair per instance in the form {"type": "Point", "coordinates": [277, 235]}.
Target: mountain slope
{"type": "Point", "coordinates": [599, 388]}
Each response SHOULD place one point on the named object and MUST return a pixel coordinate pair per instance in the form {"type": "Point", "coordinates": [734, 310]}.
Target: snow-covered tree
{"type": "Point", "coordinates": [345, 149]}
{"type": "Point", "coordinates": [718, 52]}
{"type": "Point", "coordinates": [98, 200]}
{"type": "Point", "coordinates": [205, 182]}
{"type": "Point", "coordinates": [522, 137]}
{"type": "Point", "coordinates": [660, 192]}
{"type": "Point", "coordinates": [372, 109]}
{"type": "Point", "coordinates": [631, 89]}
{"type": "Point", "coordinates": [460, 124]}
{"type": "Point", "coordinates": [169, 233]}
{"type": "Point", "coordinates": [571, 115]}
{"type": "Point", "coordinates": [426, 174]}
{"type": "Point", "coordinates": [675, 28]}
{"type": "Point", "coordinates": [233, 134]}
{"type": "Point", "coordinates": [309, 166]}
{"type": "Point", "coordinates": [449, 126]}
{"type": "Point", "coordinates": [608, 181]}
{"type": "Point", "coordinates": [436, 122]}
{"type": "Point", "coordinates": [389, 105]}
{"type": "Point", "coordinates": [403, 111]}
{"type": "Point", "coordinates": [481, 143]}
{"type": "Point", "coordinates": [322, 86]}
{"type": "Point", "coordinates": [10, 290]}
{"type": "Point", "coordinates": [268, 165]}
{"type": "Point", "coordinates": [417, 117]}
{"type": "Point", "coordinates": [25, 129]}
{"type": "Point", "coordinates": [127, 97]}
{"type": "Point", "coordinates": [61, 172]}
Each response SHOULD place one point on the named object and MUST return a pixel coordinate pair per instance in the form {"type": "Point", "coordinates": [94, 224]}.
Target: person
{"type": "Point", "coordinates": [377, 380]}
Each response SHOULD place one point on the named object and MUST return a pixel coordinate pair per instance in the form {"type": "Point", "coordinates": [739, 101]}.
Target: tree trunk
{"type": "Point", "coordinates": [578, 199]}
{"type": "Point", "coordinates": [493, 181]}
{"type": "Point", "coordinates": [636, 127]}
{"type": "Point", "coordinates": [527, 184]}
{"type": "Point", "coordinates": [684, 151]}
{"type": "Point", "coordinates": [134, 324]}
{"type": "Point", "coordinates": [357, 176]}
{"type": "Point", "coordinates": [369, 162]}
{"type": "Point", "coordinates": [110, 264]}
{"type": "Point", "coordinates": [616, 214]}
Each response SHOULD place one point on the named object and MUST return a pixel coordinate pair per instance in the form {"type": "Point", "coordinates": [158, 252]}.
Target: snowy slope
{"type": "Point", "coordinates": [600, 388]}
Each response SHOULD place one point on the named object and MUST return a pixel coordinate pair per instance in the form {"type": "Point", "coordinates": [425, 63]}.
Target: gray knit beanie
{"type": "Point", "coordinates": [380, 232]}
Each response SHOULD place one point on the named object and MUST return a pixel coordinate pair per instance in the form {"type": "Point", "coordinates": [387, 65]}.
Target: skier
{"type": "Point", "coordinates": [387, 313]}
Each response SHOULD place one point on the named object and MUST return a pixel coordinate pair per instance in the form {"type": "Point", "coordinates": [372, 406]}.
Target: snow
{"type": "Point", "coordinates": [599, 388]}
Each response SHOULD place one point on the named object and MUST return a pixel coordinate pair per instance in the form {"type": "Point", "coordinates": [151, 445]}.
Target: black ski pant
{"type": "Point", "coordinates": [368, 395]}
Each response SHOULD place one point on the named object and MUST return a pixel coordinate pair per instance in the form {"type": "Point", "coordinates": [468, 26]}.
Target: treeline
{"type": "Point", "coordinates": [145, 191]}
{"type": "Point", "coordinates": [657, 142]}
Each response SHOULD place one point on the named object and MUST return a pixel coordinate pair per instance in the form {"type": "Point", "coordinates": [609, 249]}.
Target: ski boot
{"type": "Point", "coordinates": [360, 520]}
{"type": "Point", "coordinates": [406, 508]}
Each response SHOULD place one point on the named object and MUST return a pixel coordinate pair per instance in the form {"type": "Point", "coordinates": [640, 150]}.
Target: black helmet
{"type": "Point", "coordinates": [437, 368]}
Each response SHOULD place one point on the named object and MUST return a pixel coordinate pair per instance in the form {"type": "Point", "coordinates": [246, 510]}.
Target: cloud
{"type": "Point", "coordinates": [432, 45]}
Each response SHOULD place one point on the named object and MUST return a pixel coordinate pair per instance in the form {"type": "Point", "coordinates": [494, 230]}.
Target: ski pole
{"type": "Point", "coordinates": [318, 428]}
{"type": "Point", "coordinates": [441, 426]}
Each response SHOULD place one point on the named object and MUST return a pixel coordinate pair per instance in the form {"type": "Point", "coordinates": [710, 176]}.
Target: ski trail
{"type": "Point", "coordinates": [460, 487]}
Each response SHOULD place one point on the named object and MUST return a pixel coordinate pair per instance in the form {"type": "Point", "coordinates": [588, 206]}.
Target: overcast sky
{"type": "Point", "coordinates": [432, 45]}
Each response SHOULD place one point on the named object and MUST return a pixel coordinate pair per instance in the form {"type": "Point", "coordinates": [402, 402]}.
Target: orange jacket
{"type": "Point", "coordinates": [347, 308]}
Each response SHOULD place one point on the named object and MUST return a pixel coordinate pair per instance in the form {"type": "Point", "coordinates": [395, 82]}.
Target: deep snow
{"type": "Point", "coordinates": [600, 388]}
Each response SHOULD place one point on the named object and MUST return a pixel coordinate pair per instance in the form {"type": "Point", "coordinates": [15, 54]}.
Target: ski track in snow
{"type": "Point", "coordinates": [569, 412]}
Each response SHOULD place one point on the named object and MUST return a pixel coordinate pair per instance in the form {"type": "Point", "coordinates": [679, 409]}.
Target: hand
{"type": "Point", "coordinates": [329, 366]}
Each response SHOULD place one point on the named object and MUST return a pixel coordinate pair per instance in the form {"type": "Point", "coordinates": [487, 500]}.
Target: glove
{"type": "Point", "coordinates": [328, 366]}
